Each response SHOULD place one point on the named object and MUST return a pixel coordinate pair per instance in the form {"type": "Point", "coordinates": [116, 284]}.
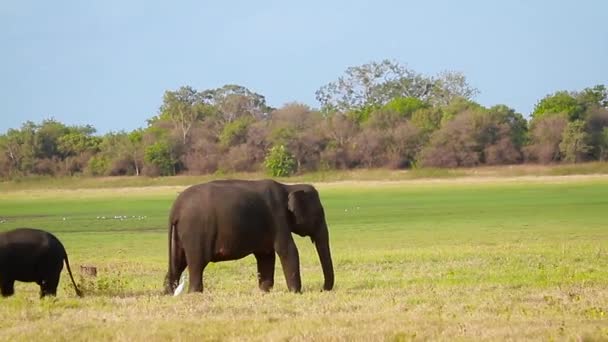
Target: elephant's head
{"type": "Point", "coordinates": [307, 218]}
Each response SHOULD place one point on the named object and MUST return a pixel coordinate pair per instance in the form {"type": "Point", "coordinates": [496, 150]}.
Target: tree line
{"type": "Point", "coordinates": [380, 114]}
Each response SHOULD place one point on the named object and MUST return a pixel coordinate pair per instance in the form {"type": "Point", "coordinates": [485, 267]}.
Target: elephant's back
{"type": "Point", "coordinates": [30, 245]}
{"type": "Point", "coordinates": [219, 199]}
{"type": "Point", "coordinates": [29, 236]}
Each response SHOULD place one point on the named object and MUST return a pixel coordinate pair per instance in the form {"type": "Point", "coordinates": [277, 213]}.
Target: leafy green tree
{"type": "Point", "coordinates": [517, 123]}
{"type": "Point", "coordinates": [560, 102]}
{"type": "Point", "coordinates": [120, 153]}
{"type": "Point", "coordinates": [47, 138]}
{"type": "Point", "coordinates": [427, 120]}
{"type": "Point", "coordinates": [405, 106]}
{"type": "Point", "coordinates": [363, 113]}
{"type": "Point", "coordinates": [77, 142]}
{"type": "Point", "coordinates": [235, 132]}
{"type": "Point", "coordinates": [11, 148]}
{"type": "Point", "coordinates": [279, 162]}
{"type": "Point", "coordinates": [596, 96]}
{"type": "Point", "coordinates": [574, 145]}
{"type": "Point", "coordinates": [282, 135]}
{"type": "Point", "coordinates": [456, 106]}
{"type": "Point", "coordinates": [159, 155]}
{"type": "Point", "coordinates": [19, 148]}
{"type": "Point", "coordinates": [98, 165]}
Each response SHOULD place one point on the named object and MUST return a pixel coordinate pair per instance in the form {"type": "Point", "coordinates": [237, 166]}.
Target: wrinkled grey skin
{"type": "Point", "coordinates": [32, 255]}
{"type": "Point", "coordinates": [229, 219]}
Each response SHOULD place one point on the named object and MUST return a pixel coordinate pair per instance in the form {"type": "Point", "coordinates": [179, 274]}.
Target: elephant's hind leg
{"type": "Point", "coordinates": [7, 288]}
{"type": "Point", "coordinates": [265, 270]}
{"type": "Point", "coordinates": [48, 287]}
{"type": "Point", "coordinates": [179, 265]}
{"type": "Point", "coordinates": [195, 272]}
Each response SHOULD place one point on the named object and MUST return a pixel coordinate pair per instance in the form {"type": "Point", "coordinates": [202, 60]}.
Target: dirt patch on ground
{"type": "Point", "coordinates": [174, 190]}
{"type": "Point", "coordinates": [465, 180]}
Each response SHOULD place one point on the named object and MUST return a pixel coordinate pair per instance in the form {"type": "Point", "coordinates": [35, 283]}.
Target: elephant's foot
{"type": "Point", "coordinates": [7, 289]}
{"type": "Point", "coordinates": [266, 285]}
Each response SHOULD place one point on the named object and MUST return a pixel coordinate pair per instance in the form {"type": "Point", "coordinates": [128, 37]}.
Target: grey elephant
{"type": "Point", "coordinates": [230, 219]}
{"type": "Point", "coordinates": [32, 255]}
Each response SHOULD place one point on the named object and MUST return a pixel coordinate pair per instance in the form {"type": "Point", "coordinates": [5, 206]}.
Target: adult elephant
{"type": "Point", "coordinates": [229, 219]}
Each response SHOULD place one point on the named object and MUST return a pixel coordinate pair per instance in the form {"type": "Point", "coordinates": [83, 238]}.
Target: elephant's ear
{"type": "Point", "coordinates": [296, 205]}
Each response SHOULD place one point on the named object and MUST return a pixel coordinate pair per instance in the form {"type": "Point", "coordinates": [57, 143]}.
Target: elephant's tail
{"type": "Point", "coordinates": [67, 263]}
{"type": "Point", "coordinates": [169, 281]}
{"type": "Point", "coordinates": [171, 237]}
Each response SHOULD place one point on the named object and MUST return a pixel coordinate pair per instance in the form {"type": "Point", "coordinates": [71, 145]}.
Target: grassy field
{"type": "Point", "coordinates": [445, 259]}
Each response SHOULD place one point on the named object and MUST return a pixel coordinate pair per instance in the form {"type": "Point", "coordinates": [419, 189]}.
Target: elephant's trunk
{"type": "Point", "coordinates": [322, 244]}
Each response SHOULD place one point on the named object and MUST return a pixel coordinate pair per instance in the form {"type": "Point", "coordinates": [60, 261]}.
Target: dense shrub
{"type": "Point", "coordinates": [159, 160]}
{"type": "Point", "coordinates": [279, 162]}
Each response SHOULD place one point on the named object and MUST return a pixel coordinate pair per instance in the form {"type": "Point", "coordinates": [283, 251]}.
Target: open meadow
{"type": "Point", "coordinates": [447, 259]}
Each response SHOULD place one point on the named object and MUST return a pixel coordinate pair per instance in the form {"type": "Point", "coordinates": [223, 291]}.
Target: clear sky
{"type": "Point", "coordinates": [107, 63]}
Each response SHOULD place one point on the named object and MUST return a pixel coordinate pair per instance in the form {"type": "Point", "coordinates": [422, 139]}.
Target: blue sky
{"type": "Point", "coordinates": [107, 63]}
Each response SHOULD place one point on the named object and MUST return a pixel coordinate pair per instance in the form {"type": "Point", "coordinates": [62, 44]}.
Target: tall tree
{"type": "Point", "coordinates": [449, 85]}
{"type": "Point", "coordinates": [47, 138]}
{"type": "Point", "coordinates": [372, 84]}
{"type": "Point", "coordinates": [135, 149]}
{"type": "Point", "coordinates": [596, 96]}
{"type": "Point", "coordinates": [76, 142]}
{"type": "Point", "coordinates": [19, 146]}
{"type": "Point", "coordinates": [574, 145]}
{"type": "Point", "coordinates": [184, 107]}
{"type": "Point", "coordinates": [234, 101]}
{"type": "Point", "coordinates": [560, 102]}
{"type": "Point", "coordinates": [516, 122]}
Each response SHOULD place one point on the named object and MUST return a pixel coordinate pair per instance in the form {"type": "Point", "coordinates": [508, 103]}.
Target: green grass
{"type": "Point", "coordinates": [448, 259]}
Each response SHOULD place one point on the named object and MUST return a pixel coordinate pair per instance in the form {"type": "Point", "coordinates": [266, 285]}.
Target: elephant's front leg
{"type": "Point", "coordinates": [290, 261]}
{"type": "Point", "coordinates": [265, 270]}
{"type": "Point", "coordinates": [7, 287]}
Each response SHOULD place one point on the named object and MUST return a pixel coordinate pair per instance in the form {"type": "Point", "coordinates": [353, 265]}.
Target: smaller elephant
{"type": "Point", "coordinates": [32, 255]}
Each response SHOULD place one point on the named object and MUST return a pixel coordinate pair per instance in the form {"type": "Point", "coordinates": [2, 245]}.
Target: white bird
{"type": "Point", "coordinates": [180, 287]}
